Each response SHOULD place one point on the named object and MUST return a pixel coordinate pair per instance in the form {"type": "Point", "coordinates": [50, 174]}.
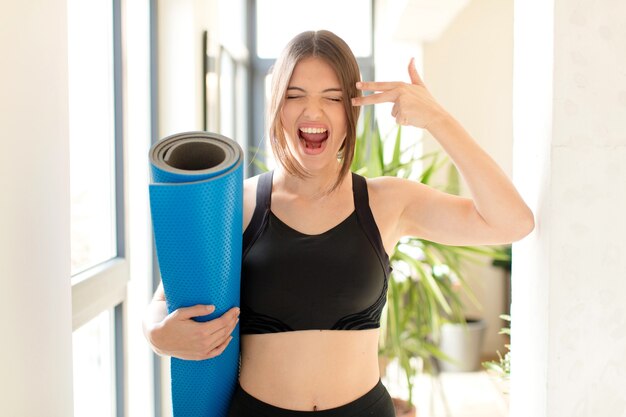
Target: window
{"type": "Point", "coordinates": [233, 71]}
{"type": "Point", "coordinates": [99, 268]}
{"type": "Point", "coordinates": [350, 19]}
{"type": "Point", "coordinates": [92, 133]}
{"type": "Point", "coordinates": [94, 387]}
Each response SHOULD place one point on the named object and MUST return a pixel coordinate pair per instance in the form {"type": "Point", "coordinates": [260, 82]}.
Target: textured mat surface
{"type": "Point", "coordinates": [196, 201]}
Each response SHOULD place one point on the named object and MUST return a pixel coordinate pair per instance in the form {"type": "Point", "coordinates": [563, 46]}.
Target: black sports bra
{"type": "Point", "coordinates": [290, 281]}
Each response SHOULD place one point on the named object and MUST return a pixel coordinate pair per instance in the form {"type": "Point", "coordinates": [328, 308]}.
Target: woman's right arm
{"type": "Point", "coordinates": [177, 334]}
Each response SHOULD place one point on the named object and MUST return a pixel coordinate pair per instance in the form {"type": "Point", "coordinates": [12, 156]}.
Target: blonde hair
{"type": "Point", "coordinates": [335, 52]}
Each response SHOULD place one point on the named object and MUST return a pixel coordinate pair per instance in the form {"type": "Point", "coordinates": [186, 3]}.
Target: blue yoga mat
{"type": "Point", "coordinates": [196, 200]}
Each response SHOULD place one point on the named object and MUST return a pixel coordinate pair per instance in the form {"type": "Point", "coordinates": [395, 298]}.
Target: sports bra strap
{"type": "Point", "coordinates": [261, 210]}
{"type": "Point", "coordinates": [264, 190]}
{"type": "Point", "coordinates": [366, 219]}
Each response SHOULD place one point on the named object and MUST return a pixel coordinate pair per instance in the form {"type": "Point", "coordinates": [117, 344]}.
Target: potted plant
{"type": "Point", "coordinates": [501, 369]}
{"type": "Point", "coordinates": [462, 341]}
{"type": "Point", "coordinates": [424, 288]}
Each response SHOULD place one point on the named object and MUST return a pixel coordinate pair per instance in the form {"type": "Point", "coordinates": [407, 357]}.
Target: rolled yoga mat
{"type": "Point", "coordinates": [196, 200]}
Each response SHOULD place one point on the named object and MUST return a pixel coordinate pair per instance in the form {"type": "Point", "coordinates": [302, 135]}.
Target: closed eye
{"type": "Point", "coordinates": [336, 99]}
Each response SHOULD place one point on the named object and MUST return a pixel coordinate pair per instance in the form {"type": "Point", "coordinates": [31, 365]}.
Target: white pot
{"type": "Point", "coordinates": [462, 343]}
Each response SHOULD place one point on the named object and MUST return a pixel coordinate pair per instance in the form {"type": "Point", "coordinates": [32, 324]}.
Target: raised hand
{"type": "Point", "coordinates": [412, 103]}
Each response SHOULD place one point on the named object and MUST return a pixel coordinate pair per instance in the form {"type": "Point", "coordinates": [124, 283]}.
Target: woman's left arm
{"type": "Point", "coordinates": [495, 214]}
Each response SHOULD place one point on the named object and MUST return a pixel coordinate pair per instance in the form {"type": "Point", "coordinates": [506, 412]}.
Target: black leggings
{"type": "Point", "coordinates": [376, 402]}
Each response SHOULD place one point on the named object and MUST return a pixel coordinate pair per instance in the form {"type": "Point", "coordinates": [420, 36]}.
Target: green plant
{"type": "Point", "coordinates": [505, 263]}
{"type": "Point", "coordinates": [425, 286]}
{"type": "Point", "coordinates": [502, 367]}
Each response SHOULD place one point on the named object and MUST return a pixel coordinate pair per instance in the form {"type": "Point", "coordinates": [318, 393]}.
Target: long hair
{"type": "Point", "coordinates": [335, 52]}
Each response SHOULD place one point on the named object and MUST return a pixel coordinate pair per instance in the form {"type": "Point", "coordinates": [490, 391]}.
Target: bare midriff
{"type": "Point", "coordinates": [309, 370]}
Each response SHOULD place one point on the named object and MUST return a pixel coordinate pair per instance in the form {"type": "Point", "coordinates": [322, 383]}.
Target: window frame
{"type": "Point", "coordinates": [104, 286]}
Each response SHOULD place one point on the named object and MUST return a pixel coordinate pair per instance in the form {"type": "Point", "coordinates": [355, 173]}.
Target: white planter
{"type": "Point", "coordinates": [463, 343]}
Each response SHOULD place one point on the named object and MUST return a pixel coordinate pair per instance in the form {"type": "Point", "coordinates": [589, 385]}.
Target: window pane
{"type": "Point", "coordinates": [280, 20]}
{"type": "Point", "coordinates": [232, 18]}
{"type": "Point", "coordinates": [94, 391]}
{"type": "Point", "coordinates": [91, 127]}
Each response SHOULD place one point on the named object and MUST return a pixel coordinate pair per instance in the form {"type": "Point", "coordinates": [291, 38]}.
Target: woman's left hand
{"type": "Point", "coordinates": [412, 103]}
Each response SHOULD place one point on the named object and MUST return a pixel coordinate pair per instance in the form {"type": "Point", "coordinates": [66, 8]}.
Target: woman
{"type": "Point", "coordinates": [317, 238]}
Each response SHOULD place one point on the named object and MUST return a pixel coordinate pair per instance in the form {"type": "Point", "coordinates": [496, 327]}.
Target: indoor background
{"type": "Point", "coordinates": [87, 86]}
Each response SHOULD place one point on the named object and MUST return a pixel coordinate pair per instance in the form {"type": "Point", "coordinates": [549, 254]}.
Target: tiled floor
{"type": "Point", "coordinates": [467, 394]}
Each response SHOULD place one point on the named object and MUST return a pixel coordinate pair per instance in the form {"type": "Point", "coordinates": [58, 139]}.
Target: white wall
{"type": "Point", "coordinates": [392, 56]}
{"type": "Point", "coordinates": [180, 28]}
{"type": "Point", "coordinates": [532, 82]}
{"type": "Point", "coordinates": [36, 324]}
{"type": "Point", "coordinates": [469, 70]}
{"type": "Point", "coordinates": [569, 336]}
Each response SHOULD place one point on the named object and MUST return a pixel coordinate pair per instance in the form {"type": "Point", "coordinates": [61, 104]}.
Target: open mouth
{"type": "Point", "coordinates": [313, 138]}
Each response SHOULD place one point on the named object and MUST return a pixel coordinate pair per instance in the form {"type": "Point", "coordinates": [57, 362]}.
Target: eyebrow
{"type": "Point", "coordinates": [328, 90]}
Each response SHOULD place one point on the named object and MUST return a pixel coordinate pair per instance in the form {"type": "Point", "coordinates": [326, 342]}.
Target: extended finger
{"type": "Point", "coordinates": [378, 85]}
{"type": "Point", "coordinates": [385, 97]}
{"type": "Point", "coordinates": [415, 77]}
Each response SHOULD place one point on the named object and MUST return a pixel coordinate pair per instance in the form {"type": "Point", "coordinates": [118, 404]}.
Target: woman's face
{"type": "Point", "coordinates": [313, 115]}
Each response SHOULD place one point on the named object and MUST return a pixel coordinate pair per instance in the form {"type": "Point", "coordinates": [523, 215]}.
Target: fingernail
{"type": "Point", "coordinates": [353, 101]}
{"type": "Point", "coordinates": [210, 308]}
{"type": "Point", "coordinates": [359, 84]}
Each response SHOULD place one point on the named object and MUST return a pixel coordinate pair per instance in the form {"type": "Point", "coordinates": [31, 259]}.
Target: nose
{"type": "Point", "coordinates": [313, 108]}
